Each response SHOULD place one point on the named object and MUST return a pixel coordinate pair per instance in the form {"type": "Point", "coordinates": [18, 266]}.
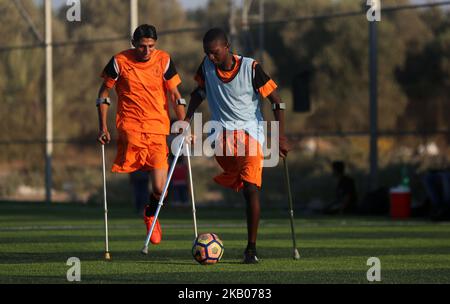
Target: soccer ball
{"type": "Point", "coordinates": [207, 249]}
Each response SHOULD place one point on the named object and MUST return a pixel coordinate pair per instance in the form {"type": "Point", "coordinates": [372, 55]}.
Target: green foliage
{"type": "Point", "coordinates": [413, 75]}
{"type": "Point", "coordinates": [428, 96]}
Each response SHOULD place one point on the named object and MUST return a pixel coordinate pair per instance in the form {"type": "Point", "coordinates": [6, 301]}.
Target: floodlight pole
{"type": "Point", "coordinates": [373, 71]}
{"type": "Point", "coordinates": [232, 25]}
{"type": "Point", "coordinates": [245, 47]}
{"type": "Point", "coordinates": [261, 31]}
{"type": "Point", "coordinates": [48, 100]}
{"type": "Point", "coordinates": [133, 16]}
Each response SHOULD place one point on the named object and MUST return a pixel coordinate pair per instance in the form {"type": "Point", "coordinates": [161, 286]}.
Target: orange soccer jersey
{"type": "Point", "coordinates": [141, 89]}
{"type": "Point", "coordinates": [142, 118]}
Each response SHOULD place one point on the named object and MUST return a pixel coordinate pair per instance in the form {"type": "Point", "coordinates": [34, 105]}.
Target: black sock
{"type": "Point", "coordinates": [152, 206]}
{"type": "Point", "coordinates": [251, 246]}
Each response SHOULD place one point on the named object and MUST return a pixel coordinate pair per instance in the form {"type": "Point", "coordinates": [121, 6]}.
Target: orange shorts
{"type": "Point", "coordinates": [238, 169]}
{"type": "Point", "coordinates": [140, 151]}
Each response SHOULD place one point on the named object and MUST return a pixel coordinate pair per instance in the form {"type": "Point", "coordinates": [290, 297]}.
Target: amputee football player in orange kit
{"type": "Point", "coordinates": [145, 80]}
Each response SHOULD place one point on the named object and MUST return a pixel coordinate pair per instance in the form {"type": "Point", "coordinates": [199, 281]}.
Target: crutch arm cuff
{"type": "Point", "coordinates": [279, 106]}
{"type": "Point", "coordinates": [105, 100]}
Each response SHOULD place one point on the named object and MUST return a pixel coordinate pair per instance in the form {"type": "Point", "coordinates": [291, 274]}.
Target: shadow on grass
{"type": "Point", "coordinates": [75, 237]}
{"type": "Point", "coordinates": [72, 211]}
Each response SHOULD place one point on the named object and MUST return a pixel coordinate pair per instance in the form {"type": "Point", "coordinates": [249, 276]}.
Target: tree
{"type": "Point", "coordinates": [22, 114]}
{"type": "Point", "coordinates": [425, 77]}
{"type": "Point", "coordinates": [336, 52]}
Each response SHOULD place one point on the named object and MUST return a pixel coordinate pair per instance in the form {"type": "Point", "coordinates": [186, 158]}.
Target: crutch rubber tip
{"type": "Point", "coordinates": [107, 256]}
{"type": "Point", "coordinates": [144, 250]}
{"type": "Point", "coordinates": [296, 254]}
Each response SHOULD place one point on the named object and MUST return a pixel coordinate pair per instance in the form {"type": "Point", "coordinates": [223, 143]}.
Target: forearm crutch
{"type": "Point", "coordinates": [191, 186]}
{"type": "Point", "coordinates": [105, 205]}
{"type": "Point", "coordinates": [296, 255]}
{"type": "Point", "coordinates": [163, 195]}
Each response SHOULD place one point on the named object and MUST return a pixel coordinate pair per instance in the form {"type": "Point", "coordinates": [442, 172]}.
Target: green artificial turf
{"type": "Point", "coordinates": [37, 239]}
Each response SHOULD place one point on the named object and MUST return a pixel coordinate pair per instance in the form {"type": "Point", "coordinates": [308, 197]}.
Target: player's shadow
{"type": "Point", "coordinates": [170, 257]}
{"type": "Point", "coordinates": [90, 256]}
{"type": "Point", "coordinates": [231, 256]}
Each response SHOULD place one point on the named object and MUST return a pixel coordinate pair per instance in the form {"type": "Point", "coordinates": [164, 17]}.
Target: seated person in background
{"type": "Point", "coordinates": [345, 195]}
{"type": "Point", "coordinates": [437, 186]}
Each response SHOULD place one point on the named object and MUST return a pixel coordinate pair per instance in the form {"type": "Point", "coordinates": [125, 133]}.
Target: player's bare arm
{"type": "Point", "coordinates": [102, 109]}
{"type": "Point", "coordinates": [177, 102]}
{"type": "Point", "coordinates": [197, 97]}
{"type": "Point", "coordinates": [278, 112]}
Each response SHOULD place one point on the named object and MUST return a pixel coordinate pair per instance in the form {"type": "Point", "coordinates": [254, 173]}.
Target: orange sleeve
{"type": "Point", "coordinates": [262, 82]}
{"type": "Point", "coordinates": [173, 82]}
{"type": "Point", "coordinates": [267, 88]}
{"type": "Point", "coordinates": [171, 77]}
{"type": "Point", "coordinates": [110, 73]}
{"type": "Point", "coordinates": [108, 82]}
